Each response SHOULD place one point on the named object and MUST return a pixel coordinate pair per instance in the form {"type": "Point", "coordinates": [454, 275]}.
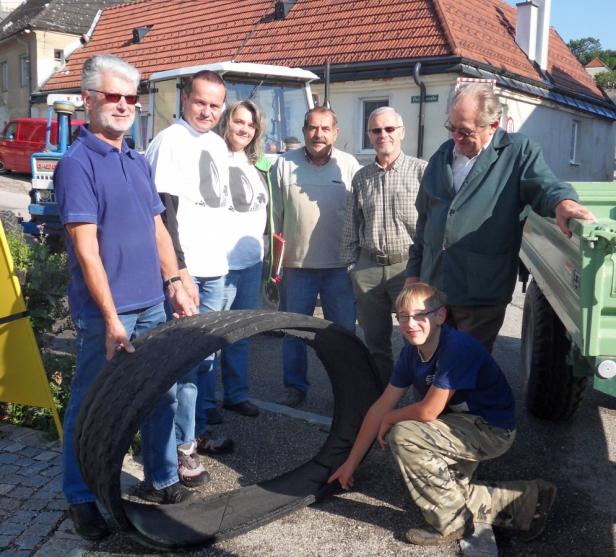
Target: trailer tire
{"type": "Point", "coordinates": [552, 391]}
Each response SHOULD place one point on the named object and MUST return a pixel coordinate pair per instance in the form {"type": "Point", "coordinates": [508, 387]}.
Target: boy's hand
{"type": "Point", "coordinates": [344, 475]}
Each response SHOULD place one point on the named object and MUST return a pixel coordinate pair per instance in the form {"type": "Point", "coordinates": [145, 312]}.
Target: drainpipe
{"type": "Point", "coordinates": [422, 98]}
{"type": "Point", "coordinates": [326, 102]}
{"type": "Point", "coordinates": [26, 44]}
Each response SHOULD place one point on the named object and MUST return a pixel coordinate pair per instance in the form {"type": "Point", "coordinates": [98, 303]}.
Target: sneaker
{"type": "Point", "coordinates": [190, 470]}
{"type": "Point", "coordinates": [245, 408]}
{"type": "Point", "coordinates": [545, 500]}
{"type": "Point", "coordinates": [88, 521]}
{"type": "Point", "coordinates": [214, 416]}
{"type": "Point", "coordinates": [429, 536]}
{"type": "Point", "coordinates": [170, 495]}
{"type": "Point", "coordinates": [208, 443]}
{"type": "Point", "coordinates": [293, 397]}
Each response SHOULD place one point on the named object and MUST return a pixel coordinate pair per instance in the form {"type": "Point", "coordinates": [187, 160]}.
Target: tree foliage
{"type": "Point", "coordinates": [585, 49]}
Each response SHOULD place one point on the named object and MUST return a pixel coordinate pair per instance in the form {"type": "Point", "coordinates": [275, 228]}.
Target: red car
{"type": "Point", "coordinates": [22, 137]}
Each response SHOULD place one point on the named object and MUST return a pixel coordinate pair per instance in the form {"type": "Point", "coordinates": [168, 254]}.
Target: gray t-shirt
{"type": "Point", "coordinates": [310, 204]}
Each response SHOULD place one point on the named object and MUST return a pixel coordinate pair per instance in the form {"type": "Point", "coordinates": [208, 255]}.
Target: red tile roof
{"type": "Point", "coordinates": [596, 63]}
{"type": "Point", "coordinates": [186, 33]}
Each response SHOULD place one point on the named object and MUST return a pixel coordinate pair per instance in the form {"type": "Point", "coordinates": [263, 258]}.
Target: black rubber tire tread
{"type": "Point", "coordinates": [129, 387]}
{"type": "Point", "coordinates": [552, 391]}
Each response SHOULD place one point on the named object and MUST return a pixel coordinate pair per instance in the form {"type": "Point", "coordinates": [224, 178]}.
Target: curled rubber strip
{"type": "Point", "coordinates": [130, 386]}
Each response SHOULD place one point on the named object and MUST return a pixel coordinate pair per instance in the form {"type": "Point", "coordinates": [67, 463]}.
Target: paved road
{"type": "Point", "coordinates": [578, 456]}
{"type": "Point", "coordinates": [14, 194]}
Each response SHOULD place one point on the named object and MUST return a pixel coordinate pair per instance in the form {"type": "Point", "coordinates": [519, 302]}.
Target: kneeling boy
{"type": "Point", "coordinates": [465, 416]}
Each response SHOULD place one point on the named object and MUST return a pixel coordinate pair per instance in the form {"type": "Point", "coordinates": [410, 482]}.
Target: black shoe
{"type": "Point", "coordinates": [293, 397]}
{"type": "Point", "coordinates": [214, 417]}
{"type": "Point", "coordinates": [245, 408]}
{"type": "Point", "coordinates": [170, 495]}
{"type": "Point", "coordinates": [88, 521]}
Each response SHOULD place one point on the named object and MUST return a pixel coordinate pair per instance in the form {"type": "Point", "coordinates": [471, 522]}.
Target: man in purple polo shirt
{"type": "Point", "coordinates": [121, 263]}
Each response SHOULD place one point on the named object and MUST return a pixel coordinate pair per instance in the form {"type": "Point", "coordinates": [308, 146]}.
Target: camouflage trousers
{"type": "Point", "coordinates": [438, 460]}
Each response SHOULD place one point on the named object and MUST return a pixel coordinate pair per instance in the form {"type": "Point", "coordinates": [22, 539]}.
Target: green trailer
{"type": "Point", "coordinates": [569, 318]}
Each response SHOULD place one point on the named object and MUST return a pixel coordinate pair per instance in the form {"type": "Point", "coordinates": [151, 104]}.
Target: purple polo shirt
{"type": "Point", "coordinates": [99, 184]}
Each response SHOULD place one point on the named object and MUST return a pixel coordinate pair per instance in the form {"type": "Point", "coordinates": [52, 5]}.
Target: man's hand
{"type": "Point", "coordinates": [569, 209]}
{"type": "Point", "coordinates": [116, 339]}
{"type": "Point", "coordinates": [189, 285]}
{"type": "Point", "coordinates": [344, 475]}
{"type": "Point", "coordinates": [410, 280]}
{"type": "Point", "coordinates": [181, 302]}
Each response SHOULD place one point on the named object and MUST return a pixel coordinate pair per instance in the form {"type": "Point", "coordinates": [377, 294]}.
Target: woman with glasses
{"type": "Point", "coordinates": [242, 127]}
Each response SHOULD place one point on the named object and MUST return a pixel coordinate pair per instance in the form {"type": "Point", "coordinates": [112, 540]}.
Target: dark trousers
{"type": "Point", "coordinates": [481, 322]}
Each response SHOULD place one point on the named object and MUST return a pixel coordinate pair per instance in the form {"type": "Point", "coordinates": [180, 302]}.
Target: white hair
{"type": "Point", "coordinates": [383, 109]}
{"type": "Point", "coordinates": [95, 66]}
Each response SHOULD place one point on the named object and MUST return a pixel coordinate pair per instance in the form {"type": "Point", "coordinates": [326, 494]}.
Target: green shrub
{"type": "Point", "coordinates": [43, 276]}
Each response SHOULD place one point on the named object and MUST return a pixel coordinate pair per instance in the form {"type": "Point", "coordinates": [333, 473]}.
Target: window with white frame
{"type": "Point", "coordinates": [58, 55]}
{"type": "Point", "coordinates": [4, 76]}
{"type": "Point", "coordinates": [575, 128]}
{"type": "Point", "coordinates": [24, 71]}
{"type": "Point", "coordinates": [367, 107]}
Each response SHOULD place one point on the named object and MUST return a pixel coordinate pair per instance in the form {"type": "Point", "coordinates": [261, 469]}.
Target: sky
{"type": "Point", "coordinates": [576, 19]}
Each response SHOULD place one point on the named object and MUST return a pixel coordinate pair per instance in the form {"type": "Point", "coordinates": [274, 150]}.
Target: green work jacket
{"type": "Point", "coordinates": [467, 243]}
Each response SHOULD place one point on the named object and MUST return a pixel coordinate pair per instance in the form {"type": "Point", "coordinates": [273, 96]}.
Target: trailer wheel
{"type": "Point", "coordinates": [552, 391]}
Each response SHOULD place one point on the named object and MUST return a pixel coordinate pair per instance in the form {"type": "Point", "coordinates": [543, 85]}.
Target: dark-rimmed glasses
{"type": "Point", "coordinates": [463, 131]}
{"type": "Point", "coordinates": [386, 129]}
{"type": "Point", "coordinates": [115, 97]}
{"type": "Point", "coordinates": [418, 317]}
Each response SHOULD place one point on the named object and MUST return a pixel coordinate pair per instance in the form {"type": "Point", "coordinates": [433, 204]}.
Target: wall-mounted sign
{"type": "Point", "coordinates": [427, 98]}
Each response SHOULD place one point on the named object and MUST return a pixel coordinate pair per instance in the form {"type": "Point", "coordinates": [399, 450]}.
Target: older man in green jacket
{"type": "Point", "coordinates": [468, 232]}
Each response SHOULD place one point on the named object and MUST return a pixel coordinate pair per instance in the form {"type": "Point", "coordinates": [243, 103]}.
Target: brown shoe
{"type": "Point", "coordinates": [429, 536]}
{"type": "Point", "coordinates": [545, 500]}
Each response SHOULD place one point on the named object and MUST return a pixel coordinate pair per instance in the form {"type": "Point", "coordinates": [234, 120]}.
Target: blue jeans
{"type": "Point", "coordinates": [242, 289]}
{"type": "Point", "coordinates": [197, 390]}
{"type": "Point", "coordinates": [299, 291]}
{"type": "Point", "coordinates": [159, 449]}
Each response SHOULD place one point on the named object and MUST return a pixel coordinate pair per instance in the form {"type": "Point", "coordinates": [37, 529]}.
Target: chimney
{"type": "Point", "coordinates": [543, 32]}
{"type": "Point", "coordinates": [526, 28]}
{"type": "Point", "coordinates": [282, 8]}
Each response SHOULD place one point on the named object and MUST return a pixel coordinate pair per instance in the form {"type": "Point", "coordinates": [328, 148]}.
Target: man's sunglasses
{"type": "Point", "coordinates": [386, 129]}
{"type": "Point", "coordinates": [115, 97]}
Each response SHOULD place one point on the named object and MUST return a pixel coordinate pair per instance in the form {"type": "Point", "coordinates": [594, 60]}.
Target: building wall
{"type": "Point", "coordinates": [347, 98]}
{"type": "Point", "coordinates": [46, 44]}
{"type": "Point", "coordinates": [14, 101]}
{"type": "Point", "coordinates": [545, 122]}
{"type": "Point", "coordinates": [553, 126]}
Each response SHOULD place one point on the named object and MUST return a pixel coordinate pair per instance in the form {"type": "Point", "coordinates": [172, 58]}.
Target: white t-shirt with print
{"type": "Point", "coordinates": [194, 167]}
{"type": "Point", "coordinates": [250, 197]}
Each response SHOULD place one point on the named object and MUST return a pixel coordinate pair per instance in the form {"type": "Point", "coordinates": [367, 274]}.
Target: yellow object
{"type": "Point", "coordinates": [22, 375]}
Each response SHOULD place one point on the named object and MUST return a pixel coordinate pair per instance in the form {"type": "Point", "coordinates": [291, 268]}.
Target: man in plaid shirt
{"type": "Point", "coordinates": [380, 223]}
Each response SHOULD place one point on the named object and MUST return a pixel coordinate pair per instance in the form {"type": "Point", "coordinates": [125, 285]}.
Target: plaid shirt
{"type": "Point", "coordinates": [381, 214]}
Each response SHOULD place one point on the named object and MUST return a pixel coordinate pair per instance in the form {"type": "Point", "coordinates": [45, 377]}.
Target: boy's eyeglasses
{"type": "Point", "coordinates": [115, 97]}
{"type": "Point", "coordinates": [386, 129]}
{"type": "Point", "coordinates": [463, 131]}
{"type": "Point", "coordinates": [417, 317]}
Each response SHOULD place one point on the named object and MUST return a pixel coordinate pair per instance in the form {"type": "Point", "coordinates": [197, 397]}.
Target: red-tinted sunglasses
{"type": "Point", "coordinates": [115, 97]}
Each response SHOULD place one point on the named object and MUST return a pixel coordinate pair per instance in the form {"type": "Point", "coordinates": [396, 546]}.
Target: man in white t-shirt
{"type": "Point", "coordinates": [190, 169]}
{"type": "Point", "coordinates": [310, 189]}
